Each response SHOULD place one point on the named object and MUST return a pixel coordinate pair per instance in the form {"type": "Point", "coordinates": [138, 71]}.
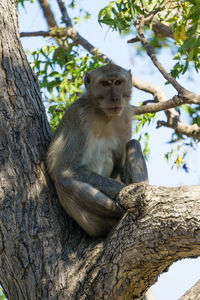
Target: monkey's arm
{"type": "Point", "coordinates": [108, 186]}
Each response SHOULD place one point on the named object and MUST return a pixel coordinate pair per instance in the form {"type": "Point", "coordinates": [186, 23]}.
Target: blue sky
{"type": "Point", "coordinates": [185, 273]}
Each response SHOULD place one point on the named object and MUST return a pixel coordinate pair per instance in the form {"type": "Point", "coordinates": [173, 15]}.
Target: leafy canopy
{"type": "Point", "coordinates": [61, 71]}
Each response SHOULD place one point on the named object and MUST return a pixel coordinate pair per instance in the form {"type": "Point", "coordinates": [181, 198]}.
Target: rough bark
{"type": "Point", "coordinates": [44, 254]}
{"type": "Point", "coordinates": [193, 293]}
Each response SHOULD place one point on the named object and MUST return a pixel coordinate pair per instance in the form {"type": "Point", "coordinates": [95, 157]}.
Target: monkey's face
{"type": "Point", "coordinates": [109, 89]}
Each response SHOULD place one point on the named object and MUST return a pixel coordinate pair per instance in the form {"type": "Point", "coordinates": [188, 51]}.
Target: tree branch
{"type": "Point", "coordinates": [48, 13]}
{"type": "Point", "coordinates": [77, 37]}
{"type": "Point", "coordinates": [145, 242]}
{"type": "Point", "coordinates": [36, 33]}
{"type": "Point", "coordinates": [167, 106]}
{"type": "Point", "coordinates": [69, 31]}
{"type": "Point", "coordinates": [180, 128]}
{"type": "Point", "coordinates": [64, 12]}
{"type": "Point", "coordinates": [161, 106]}
{"type": "Point", "coordinates": [139, 25]}
{"type": "Point", "coordinates": [51, 21]}
{"type": "Point", "coordinates": [152, 88]}
{"type": "Point", "coordinates": [192, 293]}
{"type": "Point", "coordinates": [158, 65]}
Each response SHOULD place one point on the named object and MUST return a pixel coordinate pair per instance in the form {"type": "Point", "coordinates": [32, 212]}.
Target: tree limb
{"type": "Point", "coordinates": [146, 241]}
{"type": "Point", "coordinates": [51, 21]}
{"type": "Point", "coordinates": [183, 129]}
{"type": "Point", "coordinates": [158, 65]}
{"type": "Point", "coordinates": [64, 12]}
{"type": "Point", "coordinates": [77, 37]}
{"type": "Point", "coordinates": [48, 14]}
{"type": "Point", "coordinates": [160, 106]}
{"type": "Point", "coordinates": [36, 33]}
{"type": "Point", "coordinates": [152, 88]}
{"type": "Point", "coordinates": [167, 106]}
{"type": "Point", "coordinates": [192, 293]}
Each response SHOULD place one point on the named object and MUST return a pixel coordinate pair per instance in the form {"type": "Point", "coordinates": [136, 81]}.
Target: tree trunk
{"type": "Point", "coordinates": [44, 254]}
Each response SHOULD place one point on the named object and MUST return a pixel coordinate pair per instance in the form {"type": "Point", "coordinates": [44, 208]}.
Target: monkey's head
{"type": "Point", "coordinates": [109, 88]}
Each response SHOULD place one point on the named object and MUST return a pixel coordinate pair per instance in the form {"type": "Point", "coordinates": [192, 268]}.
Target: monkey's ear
{"type": "Point", "coordinates": [87, 80]}
{"type": "Point", "coordinates": [129, 71]}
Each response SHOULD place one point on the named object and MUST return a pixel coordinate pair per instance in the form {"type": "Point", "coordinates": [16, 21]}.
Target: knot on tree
{"type": "Point", "coordinates": [132, 198]}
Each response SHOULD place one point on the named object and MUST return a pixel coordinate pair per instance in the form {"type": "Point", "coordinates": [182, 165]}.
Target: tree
{"type": "Point", "coordinates": [44, 254]}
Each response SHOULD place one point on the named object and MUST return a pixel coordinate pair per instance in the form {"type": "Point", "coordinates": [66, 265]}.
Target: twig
{"type": "Point", "coordinates": [133, 40]}
{"type": "Point", "coordinates": [64, 12]}
{"type": "Point", "coordinates": [139, 24]}
{"type": "Point", "coordinates": [77, 37]}
{"type": "Point", "coordinates": [180, 128]}
{"type": "Point", "coordinates": [51, 20]}
{"type": "Point", "coordinates": [48, 13]}
{"type": "Point", "coordinates": [172, 115]}
{"type": "Point", "coordinates": [159, 66]}
{"type": "Point", "coordinates": [160, 106]}
{"type": "Point", "coordinates": [35, 33]}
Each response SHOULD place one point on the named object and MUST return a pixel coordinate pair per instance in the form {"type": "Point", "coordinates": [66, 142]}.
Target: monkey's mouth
{"type": "Point", "coordinates": [114, 109]}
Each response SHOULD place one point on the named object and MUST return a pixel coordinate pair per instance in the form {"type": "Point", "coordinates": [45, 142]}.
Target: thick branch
{"type": "Point", "coordinates": [161, 106]}
{"type": "Point", "coordinates": [161, 226]}
{"type": "Point", "coordinates": [152, 88]}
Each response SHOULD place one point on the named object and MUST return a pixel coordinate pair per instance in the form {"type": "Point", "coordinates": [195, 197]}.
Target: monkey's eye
{"type": "Point", "coordinates": [118, 82]}
{"type": "Point", "coordinates": [105, 83]}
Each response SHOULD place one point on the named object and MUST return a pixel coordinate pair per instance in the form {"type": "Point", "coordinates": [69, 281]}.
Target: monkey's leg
{"type": "Point", "coordinates": [93, 211]}
{"type": "Point", "coordinates": [135, 169]}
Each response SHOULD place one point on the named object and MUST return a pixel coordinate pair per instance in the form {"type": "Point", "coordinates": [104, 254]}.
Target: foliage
{"type": "Point", "coordinates": [180, 153]}
{"type": "Point", "coordinates": [61, 73]}
{"type": "Point", "coordinates": [182, 16]}
{"type": "Point", "coordinates": [2, 296]}
{"type": "Point", "coordinates": [144, 121]}
{"type": "Point", "coordinates": [22, 2]}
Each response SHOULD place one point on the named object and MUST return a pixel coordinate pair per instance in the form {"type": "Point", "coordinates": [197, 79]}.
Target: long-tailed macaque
{"type": "Point", "coordinates": [91, 148]}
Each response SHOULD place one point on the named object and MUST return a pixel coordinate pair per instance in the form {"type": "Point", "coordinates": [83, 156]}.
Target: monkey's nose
{"type": "Point", "coordinates": [115, 99]}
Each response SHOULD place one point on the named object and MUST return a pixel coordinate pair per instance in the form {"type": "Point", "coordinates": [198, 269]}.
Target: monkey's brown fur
{"type": "Point", "coordinates": [88, 150]}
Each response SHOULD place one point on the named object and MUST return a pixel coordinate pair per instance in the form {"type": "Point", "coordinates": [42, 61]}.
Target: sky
{"type": "Point", "coordinates": [183, 274]}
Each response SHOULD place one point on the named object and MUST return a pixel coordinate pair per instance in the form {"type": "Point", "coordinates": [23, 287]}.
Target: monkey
{"type": "Point", "coordinates": [91, 156]}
